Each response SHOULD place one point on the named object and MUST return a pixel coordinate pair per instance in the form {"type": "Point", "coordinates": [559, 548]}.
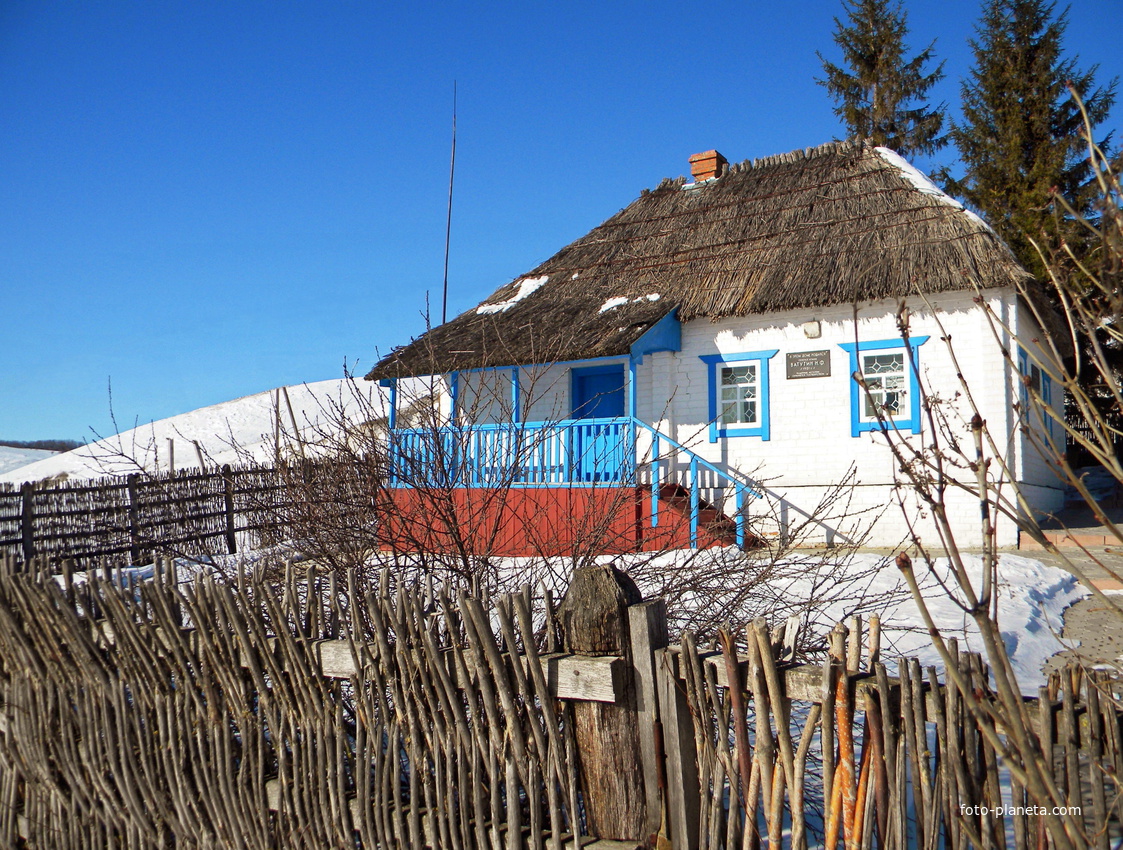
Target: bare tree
{"type": "Point", "coordinates": [960, 453]}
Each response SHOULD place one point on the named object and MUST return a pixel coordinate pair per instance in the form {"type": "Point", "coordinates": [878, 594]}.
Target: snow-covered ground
{"type": "Point", "coordinates": [11, 458]}
{"type": "Point", "coordinates": [1032, 598]}
{"type": "Point", "coordinates": [231, 432]}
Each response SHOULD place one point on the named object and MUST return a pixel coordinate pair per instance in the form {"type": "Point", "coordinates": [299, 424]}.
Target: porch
{"type": "Point", "coordinates": [613, 474]}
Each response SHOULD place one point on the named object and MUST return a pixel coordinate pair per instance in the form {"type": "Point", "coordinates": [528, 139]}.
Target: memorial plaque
{"type": "Point", "coordinates": [809, 364]}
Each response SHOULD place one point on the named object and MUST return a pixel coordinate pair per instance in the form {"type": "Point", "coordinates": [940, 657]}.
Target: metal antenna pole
{"type": "Point", "coordinates": [448, 222]}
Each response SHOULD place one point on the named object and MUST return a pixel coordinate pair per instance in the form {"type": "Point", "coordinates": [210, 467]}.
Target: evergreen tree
{"type": "Point", "coordinates": [879, 94]}
{"type": "Point", "coordinates": [1020, 136]}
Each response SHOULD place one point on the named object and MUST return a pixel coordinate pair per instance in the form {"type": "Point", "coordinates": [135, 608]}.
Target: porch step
{"type": "Point", "coordinates": [714, 527]}
{"type": "Point", "coordinates": [678, 497]}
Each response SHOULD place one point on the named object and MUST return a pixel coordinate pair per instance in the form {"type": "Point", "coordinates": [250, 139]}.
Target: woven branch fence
{"type": "Point", "coordinates": [137, 516]}
{"type": "Point", "coordinates": [298, 709]}
{"type": "Point", "coordinates": [805, 755]}
{"type": "Point", "coordinates": [293, 713]}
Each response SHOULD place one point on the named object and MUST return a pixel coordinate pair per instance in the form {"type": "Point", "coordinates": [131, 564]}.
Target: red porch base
{"type": "Point", "coordinates": [529, 521]}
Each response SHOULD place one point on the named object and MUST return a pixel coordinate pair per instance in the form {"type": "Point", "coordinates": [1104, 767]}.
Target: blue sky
{"type": "Point", "coordinates": [203, 200]}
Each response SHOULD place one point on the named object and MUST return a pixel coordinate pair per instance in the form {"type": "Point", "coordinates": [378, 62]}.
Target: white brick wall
{"type": "Point", "coordinates": [1035, 467]}
{"type": "Point", "coordinates": [811, 446]}
{"type": "Point", "coordinates": [545, 393]}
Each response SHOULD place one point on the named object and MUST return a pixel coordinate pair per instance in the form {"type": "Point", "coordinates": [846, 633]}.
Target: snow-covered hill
{"type": "Point", "coordinates": [11, 458]}
{"type": "Point", "coordinates": [230, 432]}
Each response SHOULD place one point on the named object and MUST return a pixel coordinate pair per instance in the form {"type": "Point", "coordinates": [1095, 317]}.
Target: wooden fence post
{"type": "Point", "coordinates": [228, 500]}
{"type": "Point", "coordinates": [594, 617]}
{"type": "Point", "coordinates": [647, 625]}
{"type": "Point", "coordinates": [27, 522]}
{"type": "Point", "coordinates": [683, 793]}
{"type": "Point", "coordinates": [134, 518]}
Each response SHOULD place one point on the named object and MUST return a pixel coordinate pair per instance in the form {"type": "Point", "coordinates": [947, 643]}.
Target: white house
{"type": "Point", "coordinates": [696, 350]}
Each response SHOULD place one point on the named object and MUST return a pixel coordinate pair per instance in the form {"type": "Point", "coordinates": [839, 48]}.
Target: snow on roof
{"type": "Point", "coordinates": [923, 184]}
{"type": "Point", "coordinates": [775, 234]}
{"type": "Point", "coordinates": [613, 302]}
{"type": "Point", "coordinates": [527, 286]}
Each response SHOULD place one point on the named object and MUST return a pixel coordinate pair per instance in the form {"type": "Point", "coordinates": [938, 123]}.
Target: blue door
{"type": "Point", "coordinates": [598, 445]}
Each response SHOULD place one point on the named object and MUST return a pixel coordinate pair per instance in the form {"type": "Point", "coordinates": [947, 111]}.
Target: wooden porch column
{"type": "Point", "coordinates": [454, 396]}
{"type": "Point", "coordinates": [595, 621]}
{"type": "Point", "coordinates": [392, 385]}
{"type": "Point", "coordinates": [632, 399]}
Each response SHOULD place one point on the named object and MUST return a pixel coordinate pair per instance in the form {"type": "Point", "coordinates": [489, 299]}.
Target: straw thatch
{"type": "Point", "coordinates": [837, 224]}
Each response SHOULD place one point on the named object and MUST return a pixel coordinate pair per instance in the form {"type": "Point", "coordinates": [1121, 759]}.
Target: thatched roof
{"type": "Point", "coordinates": [838, 224]}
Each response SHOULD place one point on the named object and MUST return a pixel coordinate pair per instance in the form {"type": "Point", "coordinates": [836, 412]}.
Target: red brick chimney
{"type": "Point", "coordinates": [707, 165]}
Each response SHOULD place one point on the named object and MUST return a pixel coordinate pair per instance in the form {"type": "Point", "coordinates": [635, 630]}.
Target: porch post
{"type": "Point", "coordinates": [632, 387]}
{"type": "Point", "coordinates": [391, 439]}
{"type": "Point", "coordinates": [392, 385]}
{"type": "Point", "coordinates": [516, 411]}
{"type": "Point", "coordinates": [454, 393]}
{"type": "Point", "coordinates": [630, 430]}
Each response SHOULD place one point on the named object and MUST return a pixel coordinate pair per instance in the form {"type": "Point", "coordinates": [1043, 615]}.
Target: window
{"type": "Point", "coordinates": [887, 384]}
{"type": "Point", "coordinates": [738, 394]}
{"type": "Point", "coordinates": [740, 391]}
{"type": "Point", "coordinates": [1038, 382]}
{"type": "Point", "coordinates": [892, 396]}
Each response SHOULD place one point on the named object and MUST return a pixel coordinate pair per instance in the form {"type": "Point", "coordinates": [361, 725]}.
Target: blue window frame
{"type": "Point", "coordinates": [1041, 382]}
{"type": "Point", "coordinates": [738, 394]}
{"type": "Point", "coordinates": [894, 392]}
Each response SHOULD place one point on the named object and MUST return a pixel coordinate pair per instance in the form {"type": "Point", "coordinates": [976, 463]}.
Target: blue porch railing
{"type": "Point", "coordinates": [586, 451]}
{"type": "Point", "coordinates": [661, 463]}
{"type": "Point", "coordinates": [617, 450]}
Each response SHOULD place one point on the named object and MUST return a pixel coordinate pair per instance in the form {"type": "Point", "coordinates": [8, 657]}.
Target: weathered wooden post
{"type": "Point", "coordinates": [27, 520]}
{"type": "Point", "coordinates": [647, 625]}
{"type": "Point", "coordinates": [134, 517]}
{"type": "Point", "coordinates": [228, 508]}
{"type": "Point", "coordinates": [595, 621]}
{"type": "Point", "coordinates": [682, 789]}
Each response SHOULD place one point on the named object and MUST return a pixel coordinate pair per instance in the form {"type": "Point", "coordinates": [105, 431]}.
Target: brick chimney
{"type": "Point", "coordinates": [707, 165]}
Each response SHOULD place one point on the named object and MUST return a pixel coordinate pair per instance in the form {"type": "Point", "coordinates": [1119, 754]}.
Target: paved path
{"type": "Point", "coordinates": [1094, 628]}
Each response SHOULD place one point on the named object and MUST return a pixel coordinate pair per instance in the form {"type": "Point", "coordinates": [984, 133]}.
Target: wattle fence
{"type": "Point", "coordinates": [192, 513]}
{"type": "Point", "coordinates": [304, 709]}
